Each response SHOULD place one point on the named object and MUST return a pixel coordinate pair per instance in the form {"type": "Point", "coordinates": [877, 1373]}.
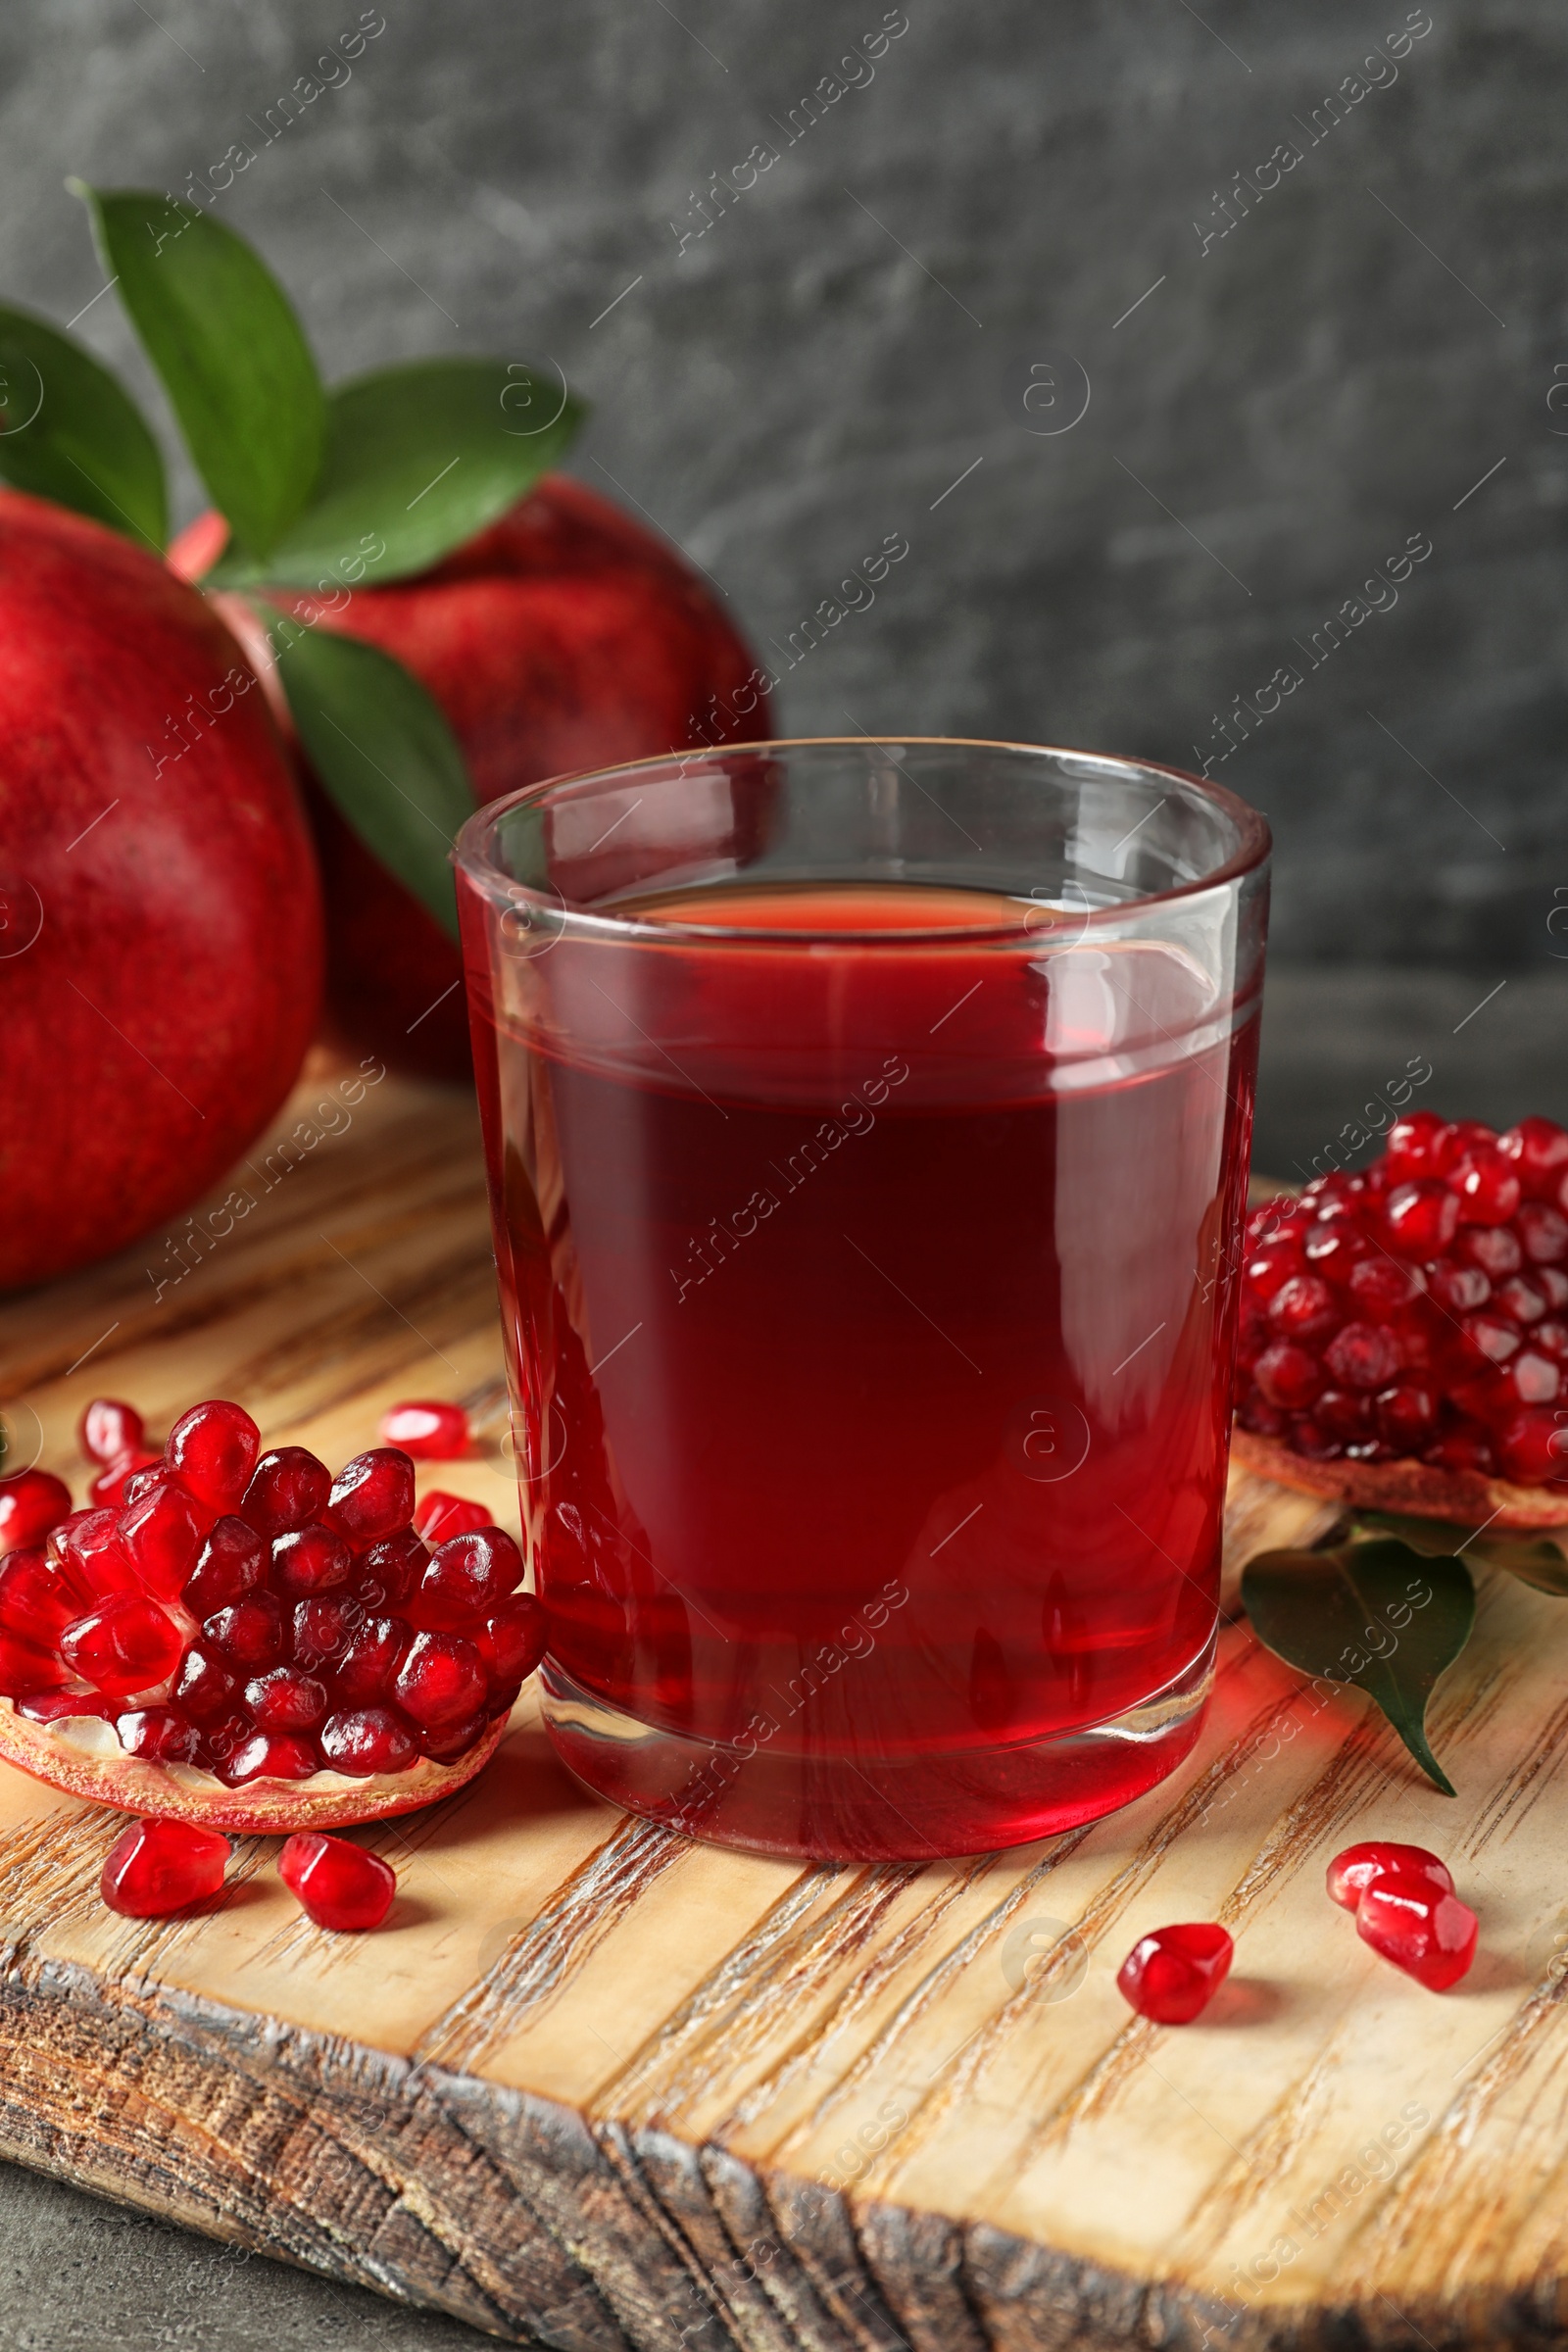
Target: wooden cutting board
{"type": "Point", "coordinates": [594, 2087]}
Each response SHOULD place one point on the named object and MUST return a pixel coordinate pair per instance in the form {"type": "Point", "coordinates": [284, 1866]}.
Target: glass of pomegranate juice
{"type": "Point", "coordinates": [868, 1130]}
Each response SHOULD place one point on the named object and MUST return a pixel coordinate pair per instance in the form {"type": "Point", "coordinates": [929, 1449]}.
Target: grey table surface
{"type": "Point", "coordinates": [78, 2272]}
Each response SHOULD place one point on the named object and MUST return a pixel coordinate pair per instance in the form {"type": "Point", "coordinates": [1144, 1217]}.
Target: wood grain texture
{"type": "Point", "coordinates": [597, 2087]}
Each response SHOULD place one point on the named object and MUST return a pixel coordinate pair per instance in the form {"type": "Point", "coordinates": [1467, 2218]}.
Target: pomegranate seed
{"type": "Point", "coordinates": [1254, 1412]}
{"type": "Point", "coordinates": [108, 1487]}
{"type": "Point", "coordinates": [1343, 1414]}
{"type": "Point", "coordinates": [367, 1665]}
{"type": "Point", "coordinates": [1303, 1308]}
{"type": "Point", "coordinates": [373, 1495]}
{"type": "Point", "coordinates": [142, 1483]}
{"type": "Point", "coordinates": [431, 1432]}
{"type": "Point", "coordinates": [440, 1682]}
{"type": "Point", "coordinates": [466, 1580]}
{"type": "Point", "coordinates": [1551, 1338]}
{"type": "Point", "coordinates": [203, 1687]}
{"type": "Point", "coordinates": [250, 1634]}
{"type": "Point", "coordinates": [163, 1734]}
{"type": "Point", "coordinates": [38, 1600]}
{"type": "Point", "coordinates": [1487, 1189]}
{"type": "Point", "coordinates": [288, 1490]}
{"type": "Point", "coordinates": [1380, 1286]}
{"type": "Point", "coordinates": [1466, 1449]}
{"type": "Point", "coordinates": [93, 1555]}
{"type": "Point", "coordinates": [214, 1447]}
{"type": "Point", "coordinates": [1287, 1376]}
{"type": "Point", "coordinates": [26, 1667]}
{"type": "Point", "coordinates": [161, 1535]}
{"type": "Point", "coordinates": [1172, 1975]}
{"type": "Point", "coordinates": [1543, 1234]}
{"type": "Point", "coordinates": [1270, 1265]}
{"type": "Point", "coordinates": [310, 1560]}
{"type": "Point", "coordinates": [125, 1646]}
{"type": "Point", "coordinates": [323, 1629]}
{"type": "Point", "coordinates": [1472, 1135]}
{"type": "Point", "coordinates": [1458, 1290]}
{"type": "Point", "coordinates": [1335, 1249]}
{"type": "Point", "coordinates": [337, 1885]}
{"type": "Point", "coordinates": [1534, 1378]}
{"type": "Point", "coordinates": [162, 1865]}
{"type": "Point", "coordinates": [1364, 1356]}
{"type": "Point", "coordinates": [1359, 1867]}
{"type": "Point", "coordinates": [512, 1639]}
{"type": "Point", "coordinates": [1490, 1337]}
{"type": "Point", "coordinates": [270, 1757]}
{"type": "Point", "coordinates": [1552, 1283]}
{"type": "Point", "coordinates": [1522, 1299]}
{"type": "Point", "coordinates": [362, 1741]}
{"type": "Point", "coordinates": [31, 1504]}
{"type": "Point", "coordinates": [446, 1745]}
{"type": "Point", "coordinates": [1420, 1219]}
{"type": "Point", "coordinates": [390, 1571]}
{"type": "Point", "coordinates": [108, 1429]}
{"type": "Point", "coordinates": [1419, 1146]}
{"type": "Point", "coordinates": [1422, 1928]}
{"type": "Point", "coordinates": [1406, 1415]}
{"type": "Point", "coordinates": [230, 1564]}
{"type": "Point", "coordinates": [440, 1517]}
{"type": "Point", "coordinates": [1534, 1447]}
{"type": "Point", "coordinates": [1310, 1437]}
{"type": "Point", "coordinates": [286, 1701]}
{"type": "Point", "coordinates": [54, 1706]}
{"type": "Point", "coordinates": [1539, 1150]}
{"type": "Point", "coordinates": [1492, 1247]}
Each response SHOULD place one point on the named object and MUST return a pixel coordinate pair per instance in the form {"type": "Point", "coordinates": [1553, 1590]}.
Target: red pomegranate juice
{"type": "Point", "coordinates": [867, 1305]}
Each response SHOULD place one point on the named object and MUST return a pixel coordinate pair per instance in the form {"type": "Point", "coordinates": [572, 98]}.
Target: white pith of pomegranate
{"type": "Point", "coordinates": [1404, 1330]}
{"type": "Point", "coordinates": [249, 1642]}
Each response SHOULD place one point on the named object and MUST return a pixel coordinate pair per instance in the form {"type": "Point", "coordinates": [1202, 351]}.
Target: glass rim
{"type": "Point", "coordinates": [498, 887]}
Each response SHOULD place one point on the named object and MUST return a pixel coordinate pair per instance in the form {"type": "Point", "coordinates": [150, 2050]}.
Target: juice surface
{"type": "Point", "coordinates": [868, 1301]}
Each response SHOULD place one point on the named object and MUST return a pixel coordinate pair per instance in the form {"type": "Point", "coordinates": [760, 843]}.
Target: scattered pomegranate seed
{"type": "Point", "coordinates": [213, 1451]}
{"type": "Point", "coordinates": [108, 1487]}
{"type": "Point", "coordinates": [162, 1865]}
{"type": "Point", "coordinates": [1173, 1974]}
{"type": "Point", "coordinates": [440, 1517]}
{"type": "Point", "coordinates": [431, 1431]}
{"type": "Point", "coordinates": [1359, 1867]}
{"type": "Point", "coordinates": [1422, 1928]}
{"type": "Point", "coordinates": [109, 1430]}
{"type": "Point", "coordinates": [32, 1506]}
{"type": "Point", "coordinates": [338, 1884]}
{"type": "Point", "coordinates": [1417, 1309]}
{"type": "Point", "coordinates": [373, 1495]}
{"type": "Point", "coordinates": [288, 1490]}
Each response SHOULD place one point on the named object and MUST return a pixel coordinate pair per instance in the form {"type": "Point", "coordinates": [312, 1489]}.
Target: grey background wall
{"type": "Point", "coordinates": [890, 329]}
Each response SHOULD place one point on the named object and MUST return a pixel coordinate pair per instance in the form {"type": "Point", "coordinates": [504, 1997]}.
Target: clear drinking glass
{"type": "Point", "coordinates": [867, 1129]}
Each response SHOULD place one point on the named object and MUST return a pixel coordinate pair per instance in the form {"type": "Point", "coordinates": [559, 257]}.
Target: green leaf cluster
{"type": "Point", "coordinates": [320, 486]}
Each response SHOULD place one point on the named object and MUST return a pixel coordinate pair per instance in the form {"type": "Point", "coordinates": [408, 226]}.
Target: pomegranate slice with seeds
{"type": "Point", "coordinates": [337, 1885]}
{"type": "Point", "coordinates": [246, 1643]}
{"type": "Point", "coordinates": [1403, 1331]}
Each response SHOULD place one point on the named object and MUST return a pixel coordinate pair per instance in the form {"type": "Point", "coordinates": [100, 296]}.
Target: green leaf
{"type": "Point", "coordinates": [1536, 1560]}
{"type": "Point", "coordinates": [239, 372]}
{"type": "Point", "coordinates": [383, 751]}
{"type": "Point", "coordinates": [68, 432]}
{"type": "Point", "coordinates": [418, 458]}
{"type": "Point", "coordinates": [1381, 1615]}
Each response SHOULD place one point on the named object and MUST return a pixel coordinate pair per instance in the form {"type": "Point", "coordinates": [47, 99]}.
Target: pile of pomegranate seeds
{"type": "Point", "coordinates": [1172, 1975]}
{"type": "Point", "coordinates": [431, 1432]}
{"type": "Point", "coordinates": [1418, 1309]}
{"type": "Point", "coordinates": [1405, 1908]}
{"type": "Point", "coordinates": [249, 1615]}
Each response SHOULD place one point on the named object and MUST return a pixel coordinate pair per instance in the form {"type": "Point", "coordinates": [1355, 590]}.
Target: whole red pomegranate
{"type": "Point", "coordinates": [160, 915]}
{"type": "Point", "coordinates": [565, 637]}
